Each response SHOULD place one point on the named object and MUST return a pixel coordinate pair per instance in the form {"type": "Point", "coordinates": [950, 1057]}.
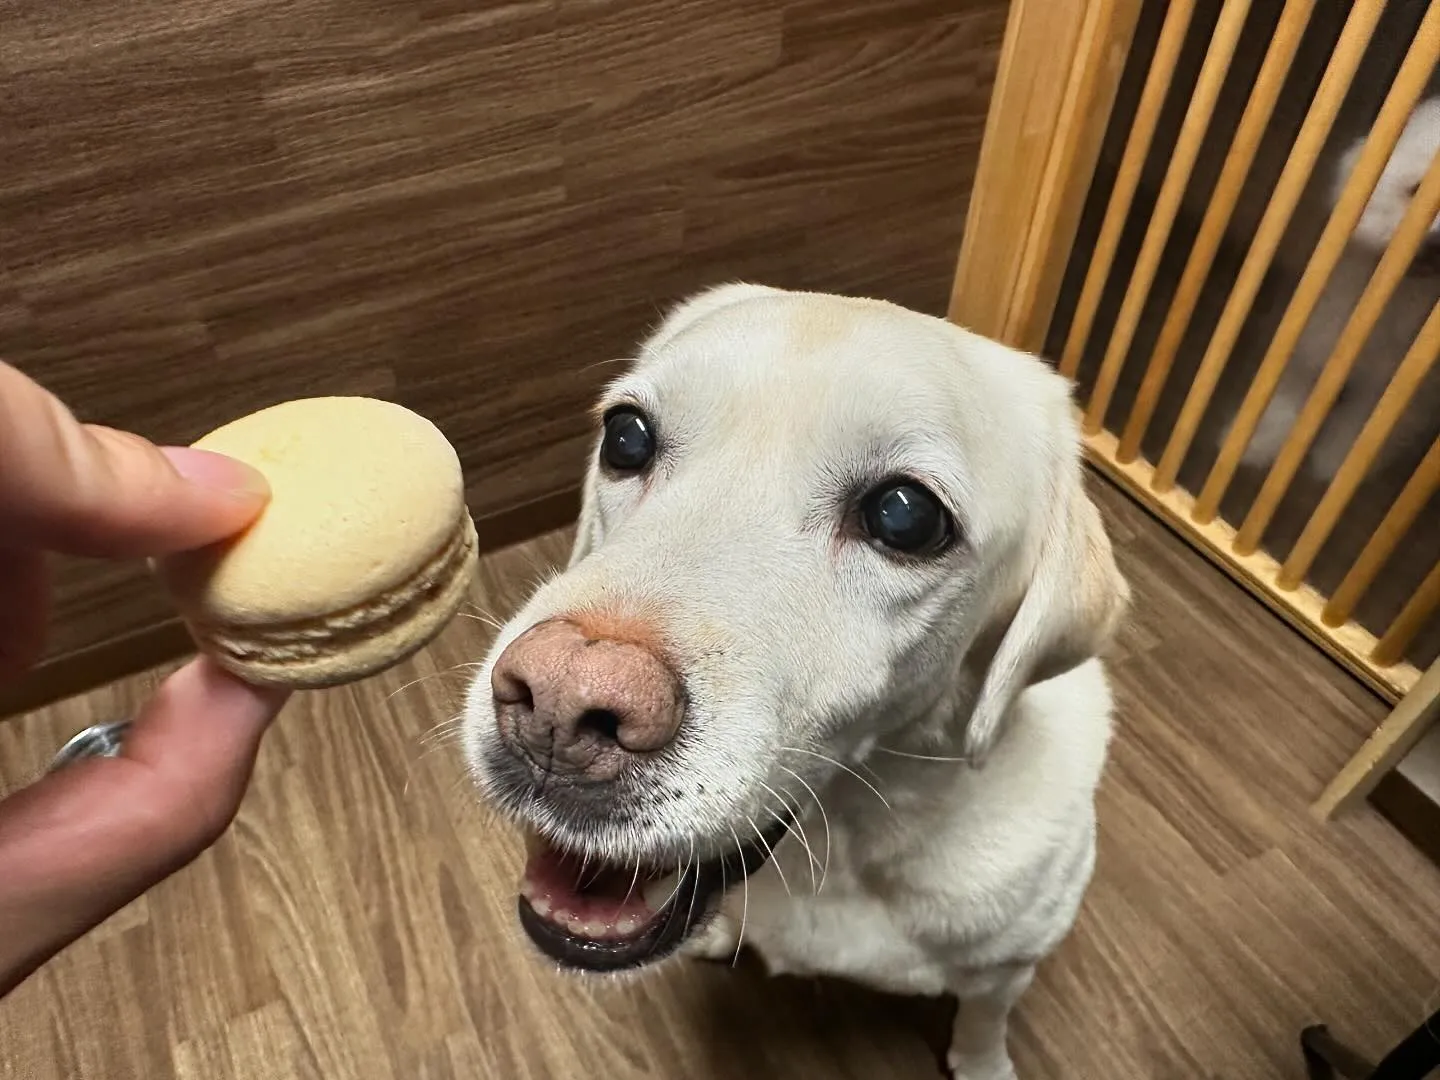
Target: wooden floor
{"type": "Point", "coordinates": [358, 921]}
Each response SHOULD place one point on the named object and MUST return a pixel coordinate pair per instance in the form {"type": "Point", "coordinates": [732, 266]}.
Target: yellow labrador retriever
{"type": "Point", "coordinates": [820, 677]}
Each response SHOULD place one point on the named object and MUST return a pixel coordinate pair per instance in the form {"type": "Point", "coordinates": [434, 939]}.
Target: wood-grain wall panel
{"type": "Point", "coordinates": [467, 207]}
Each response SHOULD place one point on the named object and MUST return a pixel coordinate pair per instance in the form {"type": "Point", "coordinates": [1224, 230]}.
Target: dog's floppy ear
{"type": "Point", "coordinates": [1070, 608]}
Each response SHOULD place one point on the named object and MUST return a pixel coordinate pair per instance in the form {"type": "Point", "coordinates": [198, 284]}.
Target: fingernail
{"type": "Point", "coordinates": [212, 470]}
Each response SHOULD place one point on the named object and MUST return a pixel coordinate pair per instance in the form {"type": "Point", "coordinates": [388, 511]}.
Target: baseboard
{"type": "Point", "coordinates": [75, 672]}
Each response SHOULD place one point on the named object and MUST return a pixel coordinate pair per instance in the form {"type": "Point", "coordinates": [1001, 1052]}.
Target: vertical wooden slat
{"type": "Point", "coordinates": [1060, 68]}
{"type": "Point", "coordinates": [1391, 741]}
{"type": "Point", "coordinates": [1411, 620]}
{"type": "Point", "coordinates": [1368, 309]}
{"type": "Point", "coordinates": [1413, 498]}
{"type": "Point", "coordinates": [1410, 83]}
{"type": "Point", "coordinates": [1020, 126]}
{"type": "Point", "coordinates": [1127, 180]}
{"type": "Point", "coordinates": [1167, 205]}
{"type": "Point", "coordinates": [1095, 78]}
{"type": "Point", "coordinates": [1408, 377]}
{"type": "Point", "coordinates": [1248, 135]}
{"type": "Point", "coordinates": [1334, 85]}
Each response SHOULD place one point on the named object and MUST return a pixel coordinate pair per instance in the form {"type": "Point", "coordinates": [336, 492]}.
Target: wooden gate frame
{"type": "Point", "coordinates": [1059, 73]}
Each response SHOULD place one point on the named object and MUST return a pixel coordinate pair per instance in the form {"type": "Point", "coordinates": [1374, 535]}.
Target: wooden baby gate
{"type": "Point", "coordinates": [1066, 252]}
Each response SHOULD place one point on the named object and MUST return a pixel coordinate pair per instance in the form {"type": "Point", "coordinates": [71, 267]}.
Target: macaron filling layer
{"type": "Point", "coordinates": [321, 635]}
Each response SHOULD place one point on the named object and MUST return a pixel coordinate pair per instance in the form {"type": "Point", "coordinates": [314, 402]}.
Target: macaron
{"type": "Point", "coordinates": [361, 557]}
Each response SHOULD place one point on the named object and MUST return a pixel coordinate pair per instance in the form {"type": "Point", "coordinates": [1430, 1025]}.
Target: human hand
{"type": "Point", "coordinates": [81, 843]}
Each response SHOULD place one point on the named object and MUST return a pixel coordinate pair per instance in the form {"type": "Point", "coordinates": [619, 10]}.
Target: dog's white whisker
{"type": "Point", "coordinates": [584, 865]}
{"type": "Point", "coordinates": [430, 741]}
{"type": "Point", "coordinates": [427, 753]}
{"type": "Point", "coordinates": [682, 867]}
{"type": "Point", "coordinates": [634, 881]}
{"type": "Point", "coordinates": [421, 679]}
{"type": "Point", "coordinates": [600, 363]}
{"type": "Point", "coordinates": [846, 768]}
{"type": "Point", "coordinates": [744, 904]}
{"type": "Point", "coordinates": [441, 731]}
{"type": "Point", "coordinates": [769, 851]}
{"type": "Point", "coordinates": [921, 757]}
{"type": "Point", "coordinates": [447, 726]}
{"type": "Point", "coordinates": [797, 828]}
{"type": "Point", "coordinates": [794, 827]}
{"type": "Point", "coordinates": [824, 820]}
{"type": "Point", "coordinates": [690, 915]}
{"type": "Point", "coordinates": [475, 611]}
{"type": "Point", "coordinates": [488, 620]}
{"type": "Point", "coordinates": [443, 672]}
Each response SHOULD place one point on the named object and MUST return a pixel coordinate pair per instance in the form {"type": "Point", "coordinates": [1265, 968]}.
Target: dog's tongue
{"type": "Point", "coordinates": [592, 901]}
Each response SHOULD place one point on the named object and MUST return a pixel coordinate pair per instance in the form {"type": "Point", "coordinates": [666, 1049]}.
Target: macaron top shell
{"type": "Point", "coordinates": [364, 493]}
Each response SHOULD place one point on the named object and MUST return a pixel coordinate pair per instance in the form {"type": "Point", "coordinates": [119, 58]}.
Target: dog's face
{"type": "Point", "coordinates": [1408, 163]}
{"type": "Point", "coordinates": [809, 522]}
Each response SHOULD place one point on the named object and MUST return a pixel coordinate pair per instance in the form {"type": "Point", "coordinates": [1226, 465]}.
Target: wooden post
{"type": "Point", "coordinates": [1391, 741]}
{"type": "Point", "coordinates": [1060, 68]}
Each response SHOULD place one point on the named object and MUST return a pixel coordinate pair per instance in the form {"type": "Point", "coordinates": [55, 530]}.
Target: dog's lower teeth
{"type": "Point", "coordinates": [659, 892]}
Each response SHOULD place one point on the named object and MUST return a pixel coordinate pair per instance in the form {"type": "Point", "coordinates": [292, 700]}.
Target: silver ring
{"type": "Point", "coordinates": [98, 740]}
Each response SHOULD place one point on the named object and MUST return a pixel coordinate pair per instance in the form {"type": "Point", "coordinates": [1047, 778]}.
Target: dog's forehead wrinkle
{"type": "Point", "coordinates": [963, 414]}
{"type": "Point", "coordinates": [764, 450]}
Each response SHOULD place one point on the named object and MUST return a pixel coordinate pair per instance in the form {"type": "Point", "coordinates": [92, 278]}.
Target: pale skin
{"type": "Point", "coordinates": [78, 845]}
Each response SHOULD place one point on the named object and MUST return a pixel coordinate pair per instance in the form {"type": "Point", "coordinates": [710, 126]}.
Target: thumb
{"type": "Point", "coordinates": [80, 844]}
{"type": "Point", "coordinates": [88, 490]}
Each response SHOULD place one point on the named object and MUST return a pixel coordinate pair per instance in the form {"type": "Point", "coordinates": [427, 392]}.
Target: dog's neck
{"type": "Point", "coordinates": [933, 724]}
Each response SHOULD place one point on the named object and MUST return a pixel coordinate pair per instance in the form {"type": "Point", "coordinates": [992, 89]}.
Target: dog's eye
{"type": "Point", "coordinates": [906, 517]}
{"type": "Point", "coordinates": [629, 442]}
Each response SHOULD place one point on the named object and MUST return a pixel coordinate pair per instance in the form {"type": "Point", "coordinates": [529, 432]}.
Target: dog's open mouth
{"type": "Point", "coordinates": [592, 916]}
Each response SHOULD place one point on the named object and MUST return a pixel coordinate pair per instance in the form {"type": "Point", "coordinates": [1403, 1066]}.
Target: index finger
{"type": "Point", "coordinates": [83, 489]}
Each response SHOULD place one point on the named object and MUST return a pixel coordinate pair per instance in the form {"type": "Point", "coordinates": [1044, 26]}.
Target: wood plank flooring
{"type": "Point", "coordinates": [357, 923]}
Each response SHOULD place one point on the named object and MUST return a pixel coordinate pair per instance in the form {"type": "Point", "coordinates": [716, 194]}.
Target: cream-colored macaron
{"type": "Point", "coordinates": [361, 557]}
